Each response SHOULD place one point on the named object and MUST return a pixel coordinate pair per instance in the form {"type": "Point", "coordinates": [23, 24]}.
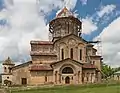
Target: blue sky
{"type": "Point", "coordinates": [84, 10]}
{"type": "Point", "coordinates": [89, 10]}
{"type": "Point", "coordinates": [1, 4]}
{"type": "Point", "coordinates": [25, 20]}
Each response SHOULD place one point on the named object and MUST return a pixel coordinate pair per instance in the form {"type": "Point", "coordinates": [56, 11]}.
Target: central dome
{"type": "Point", "coordinates": [64, 24]}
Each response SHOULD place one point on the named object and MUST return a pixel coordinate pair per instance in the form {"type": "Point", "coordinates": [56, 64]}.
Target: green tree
{"type": "Point", "coordinates": [107, 70]}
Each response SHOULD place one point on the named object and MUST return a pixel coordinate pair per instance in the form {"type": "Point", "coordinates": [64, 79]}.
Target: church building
{"type": "Point", "coordinates": [66, 59]}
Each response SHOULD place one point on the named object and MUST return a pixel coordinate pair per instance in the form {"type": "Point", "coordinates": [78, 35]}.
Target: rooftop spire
{"type": "Point", "coordinates": [64, 13]}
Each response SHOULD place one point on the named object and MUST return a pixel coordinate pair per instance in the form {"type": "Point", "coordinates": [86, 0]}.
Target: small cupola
{"type": "Point", "coordinates": [8, 61]}
{"type": "Point", "coordinates": [7, 65]}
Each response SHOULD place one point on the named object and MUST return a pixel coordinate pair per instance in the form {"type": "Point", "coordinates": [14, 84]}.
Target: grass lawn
{"type": "Point", "coordinates": [73, 89]}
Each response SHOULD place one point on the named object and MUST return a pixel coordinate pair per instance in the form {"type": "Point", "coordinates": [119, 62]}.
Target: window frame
{"type": "Point", "coordinates": [71, 53]}
{"type": "Point", "coordinates": [80, 52]}
{"type": "Point", "coordinates": [62, 53]}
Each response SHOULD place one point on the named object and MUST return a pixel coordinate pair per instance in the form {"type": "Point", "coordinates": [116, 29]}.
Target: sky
{"type": "Point", "coordinates": [24, 20]}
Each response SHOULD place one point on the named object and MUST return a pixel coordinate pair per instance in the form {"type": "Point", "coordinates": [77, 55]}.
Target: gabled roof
{"type": "Point", "coordinates": [21, 65]}
{"type": "Point", "coordinates": [41, 42]}
{"type": "Point", "coordinates": [65, 60]}
{"type": "Point", "coordinates": [64, 13]}
{"type": "Point", "coordinates": [8, 61]}
{"type": "Point", "coordinates": [80, 38]}
{"type": "Point", "coordinates": [84, 65]}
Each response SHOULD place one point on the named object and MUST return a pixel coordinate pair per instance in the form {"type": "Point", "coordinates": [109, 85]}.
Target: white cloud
{"type": "Point", "coordinates": [23, 20]}
{"type": "Point", "coordinates": [25, 24]}
{"type": "Point", "coordinates": [88, 26]}
{"type": "Point", "coordinates": [8, 3]}
{"type": "Point", "coordinates": [105, 10]}
{"type": "Point", "coordinates": [111, 43]}
{"type": "Point", "coordinates": [84, 2]}
{"type": "Point", "coordinates": [3, 14]}
{"type": "Point", "coordinates": [48, 5]}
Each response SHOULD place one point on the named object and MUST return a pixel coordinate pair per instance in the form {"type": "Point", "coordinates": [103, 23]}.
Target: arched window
{"type": "Point", "coordinates": [5, 69]}
{"type": "Point", "coordinates": [62, 53]}
{"type": "Point", "coordinates": [67, 70]}
{"type": "Point", "coordinates": [71, 53]}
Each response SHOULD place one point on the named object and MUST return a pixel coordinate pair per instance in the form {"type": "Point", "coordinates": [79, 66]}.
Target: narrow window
{"type": "Point", "coordinates": [80, 54]}
{"type": "Point", "coordinates": [62, 53]}
{"type": "Point", "coordinates": [87, 76]}
{"type": "Point", "coordinates": [93, 62]}
{"type": "Point", "coordinates": [56, 76]}
{"type": "Point", "coordinates": [9, 69]}
{"type": "Point", "coordinates": [118, 77]}
{"type": "Point", "coordinates": [45, 78]}
{"type": "Point", "coordinates": [72, 78]}
{"type": "Point", "coordinates": [71, 53]}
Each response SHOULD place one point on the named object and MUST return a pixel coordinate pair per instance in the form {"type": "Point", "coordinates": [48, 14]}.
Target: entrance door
{"type": "Point", "coordinates": [67, 80]}
{"type": "Point", "coordinates": [24, 81]}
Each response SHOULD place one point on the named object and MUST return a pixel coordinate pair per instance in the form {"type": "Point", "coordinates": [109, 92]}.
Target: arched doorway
{"type": "Point", "coordinates": [67, 80]}
{"type": "Point", "coordinates": [67, 72]}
